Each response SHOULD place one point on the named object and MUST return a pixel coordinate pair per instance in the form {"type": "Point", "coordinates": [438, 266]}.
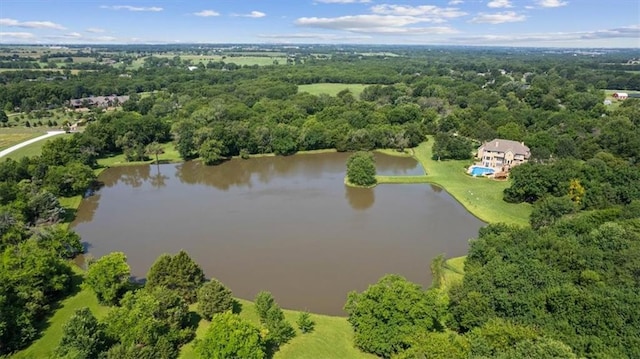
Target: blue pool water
{"type": "Point", "coordinates": [481, 171]}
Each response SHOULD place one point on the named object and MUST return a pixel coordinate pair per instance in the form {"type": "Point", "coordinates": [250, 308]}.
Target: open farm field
{"type": "Point", "coordinates": [332, 89]}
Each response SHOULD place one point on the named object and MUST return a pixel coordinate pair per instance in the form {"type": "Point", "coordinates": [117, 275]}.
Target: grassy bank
{"type": "Point", "coordinates": [394, 152]}
{"type": "Point", "coordinates": [46, 344]}
{"type": "Point", "coordinates": [310, 152]}
{"type": "Point", "coordinates": [170, 155]}
{"type": "Point", "coordinates": [331, 338]}
{"type": "Point", "coordinates": [453, 272]}
{"type": "Point", "coordinates": [402, 179]}
{"type": "Point", "coordinates": [480, 196]}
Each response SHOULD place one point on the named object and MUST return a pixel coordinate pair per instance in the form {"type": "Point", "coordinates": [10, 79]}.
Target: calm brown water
{"type": "Point", "coordinates": [288, 225]}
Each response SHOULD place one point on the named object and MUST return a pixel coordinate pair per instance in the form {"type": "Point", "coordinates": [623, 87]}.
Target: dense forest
{"type": "Point", "coordinates": [564, 287]}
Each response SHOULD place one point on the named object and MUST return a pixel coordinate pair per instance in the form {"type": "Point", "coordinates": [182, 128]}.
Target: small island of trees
{"type": "Point", "coordinates": [361, 169]}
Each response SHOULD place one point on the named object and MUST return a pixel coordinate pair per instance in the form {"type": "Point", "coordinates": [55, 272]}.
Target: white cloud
{"type": "Point", "coordinates": [632, 32]}
{"type": "Point", "coordinates": [314, 36]}
{"type": "Point", "coordinates": [206, 13]}
{"type": "Point", "coordinates": [499, 4]}
{"type": "Point", "coordinates": [379, 24]}
{"type": "Point", "coordinates": [498, 18]}
{"type": "Point", "coordinates": [95, 30]}
{"type": "Point", "coordinates": [31, 24]}
{"type": "Point", "coordinates": [343, 1]}
{"type": "Point", "coordinates": [552, 3]}
{"type": "Point", "coordinates": [68, 36]}
{"type": "Point", "coordinates": [356, 21]}
{"type": "Point", "coordinates": [132, 8]}
{"type": "Point", "coordinates": [16, 35]}
{"type": "Point", "coordinates": [455, 2]}
{"type": "Point", "coordinates": [254, 14]}
{"type": "Point", "coordinates": [389, 19]}
{"type": "Point", "coordinates": [425, 12]}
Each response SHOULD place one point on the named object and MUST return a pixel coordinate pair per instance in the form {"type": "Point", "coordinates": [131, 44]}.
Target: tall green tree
{"type": "Point", "coordinates": [386, 314]}
{"type": "Point", "coordinates": [156, 318]}
{"type": "Point", "coordinates": [210, 152]}
{"type": "Point", "coordinates": [155, 149]}
{"type": "Point", "coordinates": [179, 273]}
{"type": "Point", "coordinates": [230, 336]}
{"type": "Point", "coordinates": [272, 318]}
{"type": "Point", "coordinates": [361, 169]}
{"type": "Point", "coordinates": [82, 337]}
{"type": "Point", "coordinates": [108, 277]}
{"type": "Point", "coordinates": [213, 298]}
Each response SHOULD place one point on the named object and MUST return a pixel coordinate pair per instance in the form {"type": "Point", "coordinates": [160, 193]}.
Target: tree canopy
{"type": "Point", "coordinates": [361, 169]}
{"type": "Point", "coordinates": [108, 277]}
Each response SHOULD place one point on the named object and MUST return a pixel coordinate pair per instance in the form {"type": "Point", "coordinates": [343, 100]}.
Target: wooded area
{"type": "Point", "coordinates": [565, 287]}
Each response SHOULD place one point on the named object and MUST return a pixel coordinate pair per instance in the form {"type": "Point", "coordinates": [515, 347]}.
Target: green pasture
{"type": "Point", "coordinates": [332, 89]}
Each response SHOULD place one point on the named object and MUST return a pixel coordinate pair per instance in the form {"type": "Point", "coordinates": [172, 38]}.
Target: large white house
{"type": "Point", "coordinates": [503, 154]}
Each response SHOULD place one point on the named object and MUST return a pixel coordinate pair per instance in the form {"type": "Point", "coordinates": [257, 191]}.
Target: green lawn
{"type": "Point", "coordinates": [170, 155]}
{"type": "Point", "coordinates": [34, 149]}
{"type": "Point", "coordinates": [331, 338]}
{"type": "Point", "coordinates": [44, 346]}
{"type": "Point", "coordinates": [332, 89]}
{"type": "Point", "coordinates": [453, 272]}
{"type": "Point", "coordinates": [480, 196]}
{"type": "Point", "coordinates": [11, 136]}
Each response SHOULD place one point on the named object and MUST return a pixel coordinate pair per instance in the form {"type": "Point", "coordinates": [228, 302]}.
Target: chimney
{"type": "Point", "coordinates": [497, 143]}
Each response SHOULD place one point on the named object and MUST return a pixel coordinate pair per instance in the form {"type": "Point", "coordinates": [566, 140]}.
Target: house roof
{"type": "Point", "coordinates": [99, 100]}
{"type": "Point", "coordinates": [501, 145]}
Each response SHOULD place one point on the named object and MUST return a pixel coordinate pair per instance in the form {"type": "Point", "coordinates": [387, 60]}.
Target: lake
{"type": "Point", "coordinates": [287, 225]}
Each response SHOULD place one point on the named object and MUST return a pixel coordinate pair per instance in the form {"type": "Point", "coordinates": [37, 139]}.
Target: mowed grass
{"type": "Point", "coordinates": [453, 272]}
{"type": "Point", "coordinates": [8, 139]}
{"type": "Point", "coordinates": [170, 155]}
{"type": "Point", "coordinates": [46, 344]}
{"type": "Point", "coordinates": [332, 337]}
{"type": "Point", "coordinates": [34, 149]}
{"type": "Point", "coordinates": [332, 89]}
{"type": "Point", "coordinates": [480, 196]}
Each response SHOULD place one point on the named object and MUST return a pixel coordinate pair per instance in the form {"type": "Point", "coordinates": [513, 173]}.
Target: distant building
{"type": "Point", "coordinates": [98, 101]}
{"type": "Point", "coordinates": [191, 68]}
{"type": "Point", "coordinates": [607, 102]}
{"type": "Point", "coordinates": [620, 95]}
{"type": "Point", "coordinates": [503, 154]}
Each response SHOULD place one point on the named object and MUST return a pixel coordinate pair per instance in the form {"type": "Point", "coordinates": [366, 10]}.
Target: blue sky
{"type": "Point", "coordinates": [557, 23]}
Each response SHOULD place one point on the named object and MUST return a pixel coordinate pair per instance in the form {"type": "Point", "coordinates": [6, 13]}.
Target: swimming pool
{"type": "Point", "coordinates": [481, 171]}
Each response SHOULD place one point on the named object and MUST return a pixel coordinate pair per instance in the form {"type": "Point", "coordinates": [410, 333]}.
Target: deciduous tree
{"type": "Point", "coordinates": [179, 273]}
{"type": "Point", "coordinates": [361, 169]}
{"type": "Point", "coordinates": [230, 336]}
{"type": "Point", "coordinates": [108, 277]}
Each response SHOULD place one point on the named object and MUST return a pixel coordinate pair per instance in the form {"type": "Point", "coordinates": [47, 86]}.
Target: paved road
{"type": "Point", "coordinates": [28, 142]}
